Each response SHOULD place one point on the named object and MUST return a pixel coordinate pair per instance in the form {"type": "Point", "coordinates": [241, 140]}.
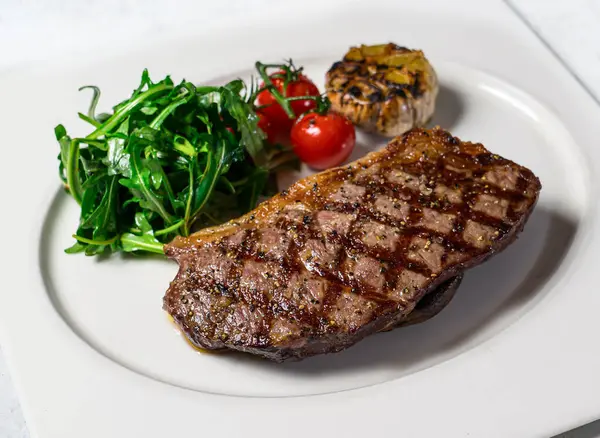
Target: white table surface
{"type": "Point", "coordinates": [32, 30]}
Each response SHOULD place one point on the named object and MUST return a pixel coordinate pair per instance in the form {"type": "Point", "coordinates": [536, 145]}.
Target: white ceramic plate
{"type": "Point", "coordinates": [515, 353]}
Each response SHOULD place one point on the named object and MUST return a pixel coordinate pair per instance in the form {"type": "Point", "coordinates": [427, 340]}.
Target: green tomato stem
{"type": "Point", "coordinates": [322, 101]}
{"type": "Point", "coordinates": [262, 71]}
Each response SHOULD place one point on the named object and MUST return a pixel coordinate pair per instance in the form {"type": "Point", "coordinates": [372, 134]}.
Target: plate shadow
{"type": "Point", "coordinates": [449, 108]}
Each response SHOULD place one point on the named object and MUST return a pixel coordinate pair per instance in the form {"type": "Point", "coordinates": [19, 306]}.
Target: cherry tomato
{"type": "Point", "coordinates": [301, 87]}
{"type": "Point", "coordinates": [323, 141]}
{"type": "Point", "coordinates": [275, 134]}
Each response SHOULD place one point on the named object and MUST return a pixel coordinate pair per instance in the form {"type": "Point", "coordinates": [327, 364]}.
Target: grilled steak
{"type": "Point", "coordinates": [431, 304]}
{"type": "Point", "coordinates": [385, 89]}
{"type": "Point", "coordinates": [350, 251]}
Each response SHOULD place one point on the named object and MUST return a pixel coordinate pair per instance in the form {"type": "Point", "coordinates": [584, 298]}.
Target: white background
{"type": "Point", "coordinates": [32, 30]}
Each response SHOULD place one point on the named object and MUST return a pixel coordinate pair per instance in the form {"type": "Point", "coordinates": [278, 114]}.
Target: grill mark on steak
{"type": "Point", "coordinates": [370, 239]}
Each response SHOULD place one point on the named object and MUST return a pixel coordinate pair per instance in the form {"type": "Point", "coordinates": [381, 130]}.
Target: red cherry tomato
{"type": "Point", "coordinates": [323, 141]}
{"type": "Point", "coordinates": [275, 134]}
{"type": "Point", "coordinates": [301, 87]}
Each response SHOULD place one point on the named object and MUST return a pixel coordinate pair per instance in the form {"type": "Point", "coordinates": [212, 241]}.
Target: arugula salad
{"type": "Point", "coordinates": [174, 158]}
{"type": "Point", "coordinates": [170, 157]}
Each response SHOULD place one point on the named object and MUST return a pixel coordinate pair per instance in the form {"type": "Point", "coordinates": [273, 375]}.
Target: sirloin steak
{"type": "Point", "coordinates": [350, 251]}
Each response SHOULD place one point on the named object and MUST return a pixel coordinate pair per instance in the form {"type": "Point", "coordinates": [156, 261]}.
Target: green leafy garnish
{"type": "Point", "coordinates": [168, 160]}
